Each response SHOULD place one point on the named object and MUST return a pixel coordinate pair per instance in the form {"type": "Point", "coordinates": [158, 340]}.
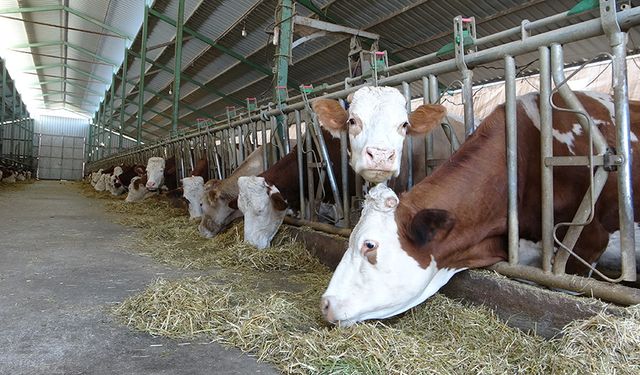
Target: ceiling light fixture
{"type": "Point", "coordinates": [244, 29]}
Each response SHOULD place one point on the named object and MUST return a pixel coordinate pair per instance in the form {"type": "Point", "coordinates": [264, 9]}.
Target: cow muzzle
{"type": "Point", "coordinates": [378, 164]}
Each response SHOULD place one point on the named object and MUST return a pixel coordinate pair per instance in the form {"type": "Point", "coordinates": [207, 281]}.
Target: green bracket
{"type": "Point", "coordinates": [450, 47]}
{"type": "Point", "coordinates": [583, 6]}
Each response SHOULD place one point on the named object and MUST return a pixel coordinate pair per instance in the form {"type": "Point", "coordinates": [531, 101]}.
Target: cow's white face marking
{"type": "Point", "coordinates": [261, 217]}
{"type": "Point", "coordinates": [377, 118]}
{"type": "Point", "coordinates": [193, 189]}
{"type": "Point", "coordinates": [376, 278]}
{"type": "Point", "coordinates": [101, 185]}
{"type": "Point", "coordinates": [155, 173]}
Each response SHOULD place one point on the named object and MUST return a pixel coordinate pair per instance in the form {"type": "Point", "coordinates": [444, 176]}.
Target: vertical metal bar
{"type": "Point", "coordinates": [344, 169]}
{"type": "Point", "coordinates": [265, 161]}
{"type": "Point", "coordinates": [428, 145]}
{"type": "Point", "coordinates": [300, 166]}
{"type": "Point", "coordinates": [330, 173]}
{"type": "Point", "coordinates": [101, 127]}
{"type": "Point", "coordinates": [178, 68]}
{"type": "Point", "coordinates": [618, 41]}
{"type": "Point", "coordinates": [240, 145]}
{"type": "Point", "coordinates": [467, 96]}
{"type": "Point", "coordinates": [111, 103]}
{"type": "Point", "coordinates": [13, 118]}
{"type": "Point", "coordinates": [546, 150]}
{"type": "Point", "coordinates": [512, 156]}
{"type": "Point", "coordinates": [597, 180]}
{"type": "Point", "coordinates": [3, 106]}
{"type": "Point", "coordinates": [284, 25]}
{"type": "Point", "coordinates": [407, 95]}
{"type": "Point", "coordinates": [434, 97]}
{"type": "Point", "coordinates": [123, 103]}
{"type": "Point", "coordinates": [311, 196]}
{"type": "Point", "coordinates": [143, 64]}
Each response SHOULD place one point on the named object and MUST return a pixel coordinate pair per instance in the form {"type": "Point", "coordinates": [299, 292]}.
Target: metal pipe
{"type": "Point", "coordinates": [265, 159]}
{"type": "Point", "coordinates": [583, 215]}
{"type": "Point", "coordinates": [511, 124]}
{"type": "Point", "coordinates": [344, 168]}
{"type": "Point", "coordinates": [177, 70]}
{"type": "Point", "coordinates": [428, 151]}
{"type": "Point", "coordinates": [111, 103]}
{"type": "Point", "coordinates": [618, 41]}
{"type": "Point", "coordinates": [300, 164]}
{"type": "Point", "coordinates": [546, 150]}
{"type": "Point", "coordinates": [311, 159]}
{"type": "Point", "coordinates": [329, 167]}
{"type": "Point", "coordinates": [406, 89]}
{"type": "Point", "coordinates": [467, 99]}
{"type": "Point", "coordinates": [143, 56]}
{"type": "Point", "coordinates": [615, 293]}
{"type": "Point", "coordinates": [123, 103]}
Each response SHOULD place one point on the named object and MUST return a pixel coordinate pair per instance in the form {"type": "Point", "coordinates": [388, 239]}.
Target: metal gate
{"type": "Point", "coordinates": [60, 157]}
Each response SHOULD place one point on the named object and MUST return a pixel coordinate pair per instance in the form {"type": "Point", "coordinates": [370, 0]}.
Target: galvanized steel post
{"type": "Point", "coordinates": [13, 119]}
{"type": "Point", "coordinates": [284, 39]}
{"type": "Point", "coordinates": [406, 89]}
{"type": "Point", "coordinates": [177, 70]}
{"type": "Point", "coordinates": [111, 110]}
{"type": "Point", "coordinates": [143, 57]}
{"type": "Point", "coordinates": [618, 41]}
{"type": "Point", "coordinates": [546, 150]}
{"type": "Point", "coordinates": [123, 103]}
{"type": "Point", "coordinates": [512, 157]}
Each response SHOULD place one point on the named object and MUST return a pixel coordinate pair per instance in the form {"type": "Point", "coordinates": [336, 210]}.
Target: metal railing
{"type": "Point", "coordinates": [227, 143]}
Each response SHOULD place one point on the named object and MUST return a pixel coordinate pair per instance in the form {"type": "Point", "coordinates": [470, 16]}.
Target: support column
{"type": "Point", "coordinates": [13, 118]}
{"type": "Point", "coordinates": [124, 94]}
{"type": "Point", "coordinates": [284, 24]}
{"type": "Point", "coordinates": [178, 69]}
{"type": "Point", "coordinates": [143, 58]}
{"type": "Point", "coordinates": [111, 102]}
{"type": "Point", "coordinates": [2, 116]}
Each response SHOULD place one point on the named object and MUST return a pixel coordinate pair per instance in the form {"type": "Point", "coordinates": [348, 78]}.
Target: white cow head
{"type": "Point", "coordinates": [114, 184]}
{"type": "Point", "coordinates": [101, 185]}
{"type": "Point", "coordinates": [263, 207]}
{"type": "Point", "coordinates": [137, 189]}
{"type": "Point", "coordinates": [218, 207]}
{"type": "Point", "coordinates": [376, 277]}
{"type": "Point", "coordinates": [95, 176]}
{"type": "Point", "coordinates": [377, 122]}
{"type": "Point", "coordinates": [193, 190]}
{"type": "Point", "coordinates": [155, 173]}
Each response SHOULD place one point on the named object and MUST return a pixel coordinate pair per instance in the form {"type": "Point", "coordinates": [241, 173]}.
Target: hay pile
{"type": "Point", "coordinates": [266, 303]}
{"type": "Point", "coordinates": [441, 336]}
{"type": "Point", "coordinates": [15, 186]}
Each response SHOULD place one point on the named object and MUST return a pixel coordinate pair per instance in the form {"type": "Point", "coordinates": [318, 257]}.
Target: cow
{"type": "Point", "coordinates": [377, 122]}
{"type": "Point", "coordinates": [193, 191]}
{"type": "Point", "coordinates": [403, 250]}
{"type": "Point", "coordinates": [217, 196]}
{"type": "Point", "coordinates": [95, 176]}
{"type": "Point", "coordinates": [161, 172]}
{"type": "Point", "coordinates": [9, 176]}
{"type": "Point", "coordinates": [263, 199]}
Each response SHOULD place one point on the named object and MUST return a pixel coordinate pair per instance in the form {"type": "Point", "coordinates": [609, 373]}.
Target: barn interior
{"type": "Point", "coordinates": [99, 275]}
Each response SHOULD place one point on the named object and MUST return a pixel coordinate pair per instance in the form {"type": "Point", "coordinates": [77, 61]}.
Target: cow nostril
{"type": "Point", "coordinates": [391, 157]}
{"type": "Point", "coordinates": [370, 154]}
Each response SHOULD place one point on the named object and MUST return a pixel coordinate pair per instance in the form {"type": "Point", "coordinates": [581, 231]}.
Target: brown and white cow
{"type": "Point", "coordinates": [378, 123]}
{"type": "Point", "coordinates": [263, 199]}
{"type": "Point", "coordinates": [403, 250]}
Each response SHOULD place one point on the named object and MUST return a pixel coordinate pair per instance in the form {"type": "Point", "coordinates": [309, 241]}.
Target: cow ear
{"type": "Point", "coordinates": [278, 202]}
{"type": "Point", "coordinates": [330, 114]}
{"type": "Point", "coordinates": [429, 223]}
{"type": "Point", "coordinates": [139, 170]}
{"type": "Point", "coordinates": [425, 118]}
{"type": "Point", "coordinates": [233, 204]}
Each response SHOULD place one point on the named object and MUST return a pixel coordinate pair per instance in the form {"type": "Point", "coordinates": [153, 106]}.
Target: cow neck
{"type": "Point", "coordinates": [470, 186]}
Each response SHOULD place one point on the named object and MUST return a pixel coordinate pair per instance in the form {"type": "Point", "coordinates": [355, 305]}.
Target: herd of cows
{"type": "Point", "coordinates": [407, 244]}
{"type": "Point", "coordinates": [10, 174]}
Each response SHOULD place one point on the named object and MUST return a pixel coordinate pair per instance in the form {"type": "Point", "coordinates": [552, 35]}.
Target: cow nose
{"type": "Point", "coordinates": [325, 307]}
{"type": "Point", "coordinates": [380, 157]}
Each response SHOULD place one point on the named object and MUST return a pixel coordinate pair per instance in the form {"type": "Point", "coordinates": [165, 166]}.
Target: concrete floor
{"type": "Point", "coordinates": [63, 263]}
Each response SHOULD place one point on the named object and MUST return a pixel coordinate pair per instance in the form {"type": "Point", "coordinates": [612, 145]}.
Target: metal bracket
{"type": "Point", "coordinates": [611, 161]}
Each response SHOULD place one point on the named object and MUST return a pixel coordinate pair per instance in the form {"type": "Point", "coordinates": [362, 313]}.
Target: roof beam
{"type": "Point", "coordinates": [52, 82]}
{"type": "Point", "coordinates": [76, 13]}
{"type": "Point", "coordinates": [225, 50]}
{"type": "Point", "coordinates": [76, 47]}
{"type": "Point", "coordinates": [222, 95]}
{"type": "Point", "coordinates": [81, 71]}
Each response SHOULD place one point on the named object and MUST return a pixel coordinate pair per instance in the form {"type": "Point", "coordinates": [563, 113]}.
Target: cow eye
{"type": "Point", "coordinates": [405, 124]}
{"type": "Point", "coordinates": [370, 251]}
{"type": "Point", "coordinates": [351, 121]}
